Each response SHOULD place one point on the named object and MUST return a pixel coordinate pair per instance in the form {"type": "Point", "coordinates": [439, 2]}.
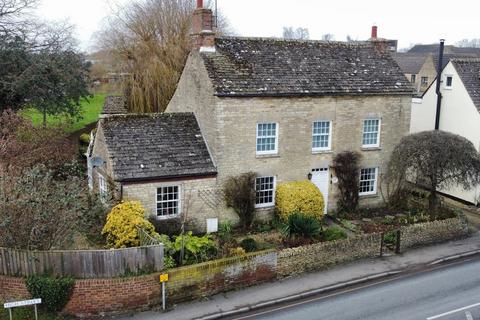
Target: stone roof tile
{"type": "Point", "coordinates": [278, 67]}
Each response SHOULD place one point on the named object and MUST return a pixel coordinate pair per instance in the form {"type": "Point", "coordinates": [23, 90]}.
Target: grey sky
{"type": "Point", "coordinates": [409, 21]}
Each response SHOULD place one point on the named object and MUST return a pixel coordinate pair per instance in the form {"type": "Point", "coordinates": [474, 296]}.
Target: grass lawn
{"type": "Point", "coordinates": [90, 112]}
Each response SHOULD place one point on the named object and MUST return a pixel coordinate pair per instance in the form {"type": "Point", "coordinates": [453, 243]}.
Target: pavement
{"type": "Point", "coordinates": [234, 302]}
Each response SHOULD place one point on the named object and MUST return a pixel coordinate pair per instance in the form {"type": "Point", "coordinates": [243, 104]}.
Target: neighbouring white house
{"type": "Point", "coordinates": [460, 110]}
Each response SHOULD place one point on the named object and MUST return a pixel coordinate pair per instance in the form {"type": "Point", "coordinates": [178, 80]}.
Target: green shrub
{"type": "Point", "coordinates": [334, 233]}
{"type": "Point", "coordinates": [84, 138]}
{"type": "Point", "coordinates": [196, 249]}
{"type": "Point", "coordinates": [54, 291]}
{"type": "Point", "coordinates": [301, 225]}
{"type": "Point", "coordinates": [249, 244]}
{"type": "Point", "coordinates": [299, 196]}
{"type": "Point", "coordinates": [168, 250]}
{"type": "Point", "coordinates": [390, 238]}
{"type": "Point", "coordinates": [225, 230]}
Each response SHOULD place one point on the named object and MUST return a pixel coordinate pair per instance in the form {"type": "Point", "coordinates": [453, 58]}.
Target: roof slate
{"type": "Point", "coordinates": [144, 147]}
{"type": "Point", "coordinates": [469, 72]}
{"type": "Point", "coordinates": [278, 67]}
{"type": "Point", "coordinates": [410, 62]}
{"type": "Point", "coordinates": [115, 105]}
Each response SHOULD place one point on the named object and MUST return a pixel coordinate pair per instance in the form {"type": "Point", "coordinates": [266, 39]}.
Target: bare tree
{"type": "Point", "coordinates": [298, 33]}
{"type": "Point", "coordinates": [151, 40]}
{"type": "Point", "coordinates": [328, 37]}
{"type": "Point", "coordinates": [469, 43]}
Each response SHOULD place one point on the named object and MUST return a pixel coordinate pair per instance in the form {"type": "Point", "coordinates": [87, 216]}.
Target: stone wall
{"type": "Point", "coordinates": [192, 204]}
{"type": "Point", "coordinates": [433, 232]}
{"type": "Point", "coordinates": [209, 278]}
{"type": "Point", "coordinates": [319, 256]}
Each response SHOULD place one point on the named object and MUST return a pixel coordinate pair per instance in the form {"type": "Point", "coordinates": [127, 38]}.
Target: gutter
{"type": "Point", "coordinates": [169, 177]}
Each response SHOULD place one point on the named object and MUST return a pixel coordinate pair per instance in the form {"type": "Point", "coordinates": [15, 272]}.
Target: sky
{"type": "Point", "coordinates": [409, 21]}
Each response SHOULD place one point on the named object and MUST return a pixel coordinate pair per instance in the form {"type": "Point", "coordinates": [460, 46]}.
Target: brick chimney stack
{"type": "Point", "coordinates": [374, 32]}
{"type": "Point", "coordinates": [203, 35]}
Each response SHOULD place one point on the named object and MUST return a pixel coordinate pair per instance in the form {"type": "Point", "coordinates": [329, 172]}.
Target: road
{"type": "Point", "coordinates": [449, 292]}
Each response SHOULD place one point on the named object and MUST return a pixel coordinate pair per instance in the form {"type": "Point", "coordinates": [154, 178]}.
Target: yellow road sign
{"type": "Point", "coordinates": [164, 277]}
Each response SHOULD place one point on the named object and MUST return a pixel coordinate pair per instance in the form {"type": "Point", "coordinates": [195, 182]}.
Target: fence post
{"type": "Point", "coordinates": [382, 239]}
{"type": "Point", "coordinates": [397, 242]}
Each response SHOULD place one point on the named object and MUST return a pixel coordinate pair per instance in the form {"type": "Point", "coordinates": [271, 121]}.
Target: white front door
{"type": "Point", "coordinates": [320, 178]}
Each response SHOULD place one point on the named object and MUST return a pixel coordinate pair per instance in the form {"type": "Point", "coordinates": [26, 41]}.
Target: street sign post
{"type": "Point", "coordinates": [24, 303]}
{"type": "Point", "coordinates": [163, 280]}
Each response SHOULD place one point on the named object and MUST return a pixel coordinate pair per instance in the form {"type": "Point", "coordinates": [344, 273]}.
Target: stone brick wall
{"type": "Point", "coordinates": [432, 232]}
{"type": "Point", "coordinates": [192, 203]}
{"type": "Point", "coordinates": [209, 278]}
{"type": "Point", "coordinates": [229, 126]}
{"type": "Point", "coordinates": [318, 256]}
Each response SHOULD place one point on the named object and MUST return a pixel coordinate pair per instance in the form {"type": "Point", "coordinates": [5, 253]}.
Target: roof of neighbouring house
{"type": "Point", "coordinates": [410, 62]}
{"type": "Point", "coordinates": [279, 67]}
{"type": "Point", "coordinates": [433, 49]}
{"type": "Point", "coordinates": [146, 147]}
{"type": "Point", "coordinates": [115, 105]}
{"type": "Point", "coordinates": [469, 72]}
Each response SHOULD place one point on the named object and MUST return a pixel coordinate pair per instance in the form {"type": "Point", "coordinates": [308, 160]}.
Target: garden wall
{"type": "Point", "coordinates": [82, 263]}
{"type": "Point", "coordinates": [432, 232]}
{"type": "Point", "coordinates": [221, 275]}
{"type": "Point", "coordinates": [322, 255]}
{"type": "Point", "coordinates": [93, 297]}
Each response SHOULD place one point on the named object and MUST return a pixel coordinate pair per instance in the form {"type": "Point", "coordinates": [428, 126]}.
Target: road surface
{"type": "Point", "coordinates": [450, 292]}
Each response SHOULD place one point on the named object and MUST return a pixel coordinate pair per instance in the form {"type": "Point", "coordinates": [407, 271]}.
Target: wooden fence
{"type": "Point", "coordinates": [83, 264]}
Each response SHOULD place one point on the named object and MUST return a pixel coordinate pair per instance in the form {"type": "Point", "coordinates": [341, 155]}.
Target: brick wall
{"type": "Point", "coordinates": [209, 278]}
{"type": "Point", "coordinates": [113, 296]}
{"type": "Point", "coordinates": [109, 296]}
{"type": "Point", "coordinates": [433, 232]}
{"type": "Point", "coordinates": [322, 255]}
{"type": "Point", "coordinates": [12, 289]}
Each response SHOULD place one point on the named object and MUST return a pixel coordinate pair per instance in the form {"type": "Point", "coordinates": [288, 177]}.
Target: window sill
{"type": "Point", "coordinates": [261, 156]}
{"type": "Point", "coordinates": [367, 196]}
{"type": "Point", "coordinates": [371, 148]}
{"type": "Point", "coordinates": [322, 151]}
{"type": "Point", "coordinates": [160, 218]}
{"type": "Point", "coordinates": [269, 207]}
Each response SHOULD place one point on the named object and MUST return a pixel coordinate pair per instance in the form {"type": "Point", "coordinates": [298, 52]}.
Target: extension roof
{"type": "Point", "coordinates": [279, 67]}
{"type": "Point", "coordinates": [147, 147]}
{"type": "Point", "coordinates": [114, 105]}
{"type": "Point", "coordinates": [469, 72]}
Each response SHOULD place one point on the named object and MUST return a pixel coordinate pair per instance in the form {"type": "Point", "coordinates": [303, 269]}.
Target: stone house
{"type": "Point", "coordinates": [460, 110]}
{"type": "Point", "coordinates": [280, 108]}
{"type": "Point", "coordinates": [420, 63]}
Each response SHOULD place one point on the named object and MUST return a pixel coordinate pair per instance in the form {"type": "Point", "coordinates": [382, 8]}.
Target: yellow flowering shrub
{"type": "Point", "coordinates": [122, 222]}
{"type": "Point", "coordinates": [299, 196]}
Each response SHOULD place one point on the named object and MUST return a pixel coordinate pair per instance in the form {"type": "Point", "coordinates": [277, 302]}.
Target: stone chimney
{"type": "Point", "coordinates": [203, 35]}
{"type": "Point", "coordinates": [374, 32]}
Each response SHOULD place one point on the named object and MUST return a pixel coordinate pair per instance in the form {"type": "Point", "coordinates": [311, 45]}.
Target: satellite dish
{"type": "Point", "coordinates": [97, 162]}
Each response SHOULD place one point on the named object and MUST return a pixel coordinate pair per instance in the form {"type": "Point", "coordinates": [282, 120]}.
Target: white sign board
{"type": "Point", "coordinates": [9, 305]}
{"type": "Point", "coordinates": [212, 225]}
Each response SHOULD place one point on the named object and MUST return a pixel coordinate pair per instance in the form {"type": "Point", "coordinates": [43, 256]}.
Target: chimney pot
{"type": "Point", "coordinates": [374, 32]}
{"type": "Point", "coordinates": [199, 4]}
